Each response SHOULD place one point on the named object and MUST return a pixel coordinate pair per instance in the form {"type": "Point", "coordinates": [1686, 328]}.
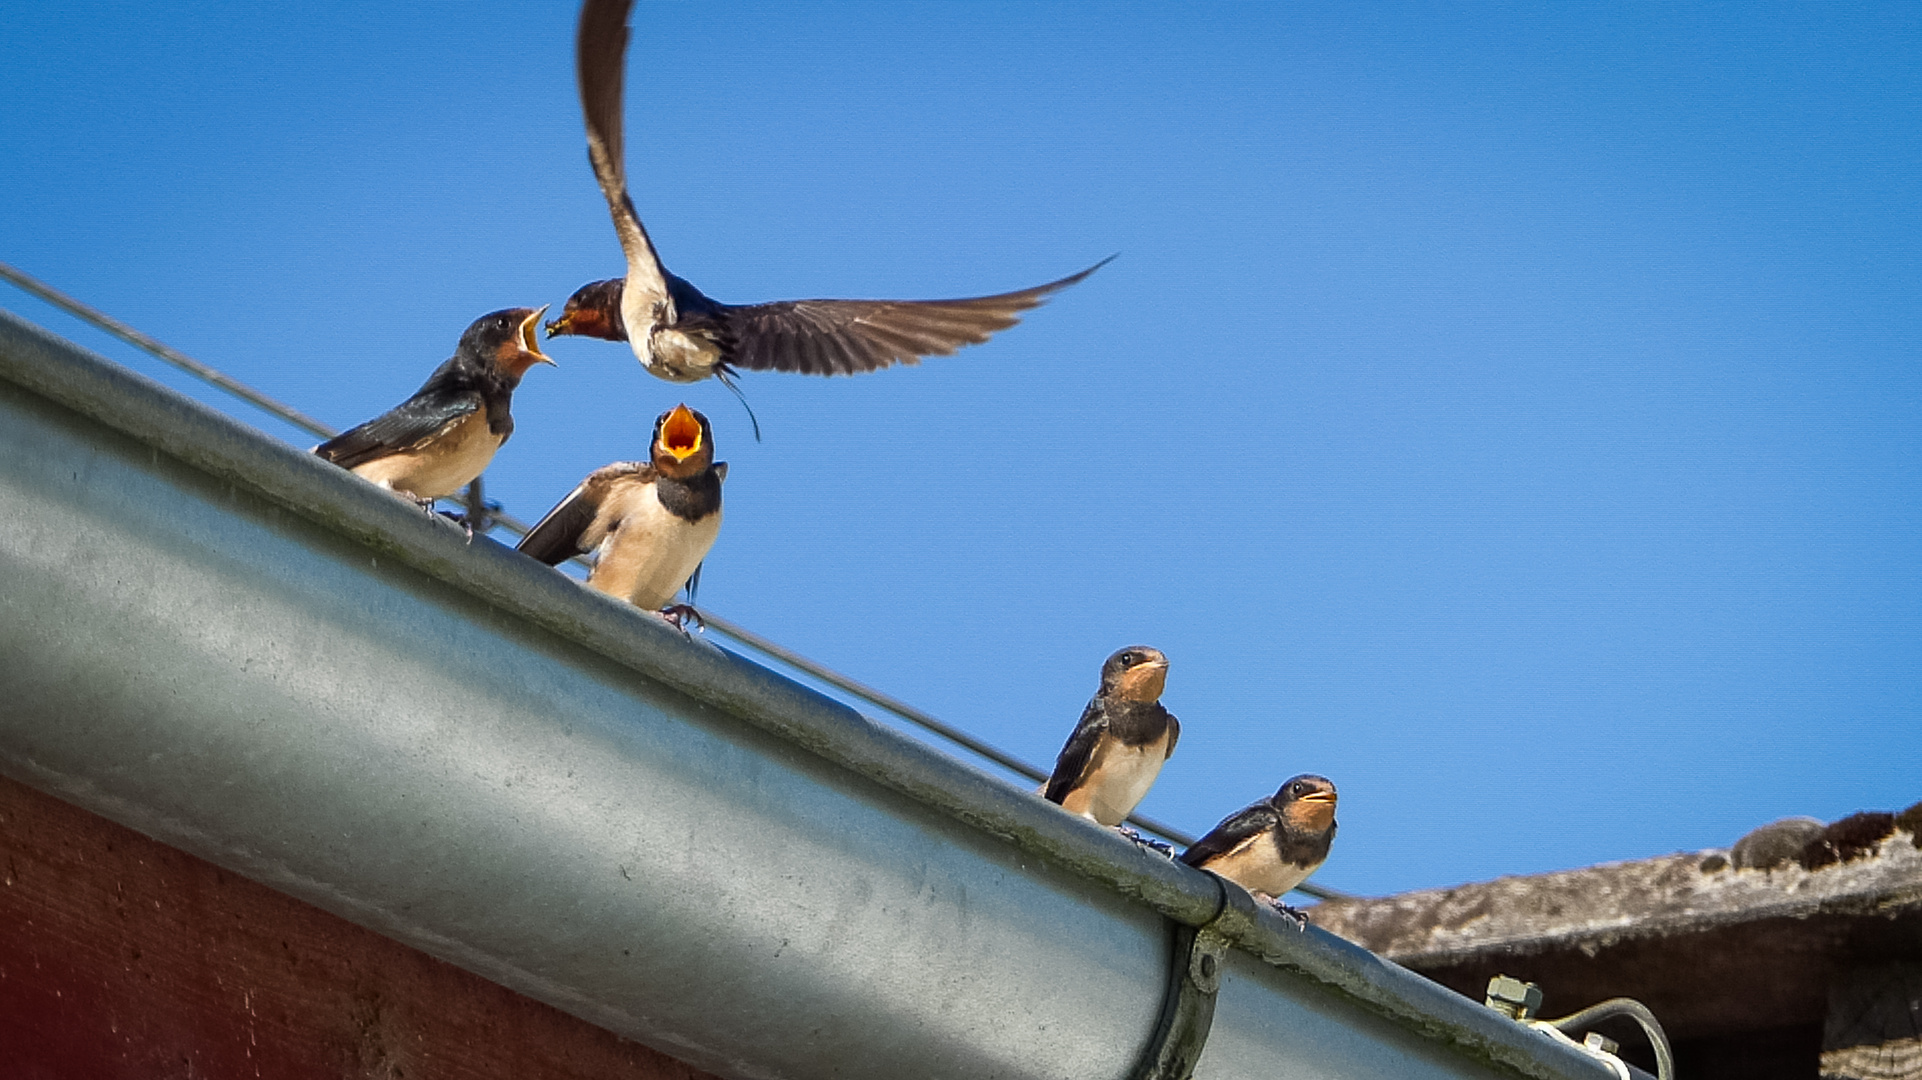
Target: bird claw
{"type": "Point", "coordinates": [679, 614]}
{"type": "Point", "coordinates": [1166, 851]}
{"type": "Point", "coordinates": [465, 521]}
{"type": "Point", "coordinates": [1292, 914]}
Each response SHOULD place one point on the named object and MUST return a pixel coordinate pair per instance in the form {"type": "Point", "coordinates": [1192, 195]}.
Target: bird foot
{"type": "Point", "coordinates": [1292, 914]}
{"type": "Point", "coordinates": [465, 521]}
{"type": "Point", "coordinates": [679, 614]}
{"type": "Point", "coordinates": [1166, 851]}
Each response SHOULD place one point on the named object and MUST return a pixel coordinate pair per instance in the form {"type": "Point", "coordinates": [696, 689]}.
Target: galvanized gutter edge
{"type": "Point", "coordinates": [205, 439]}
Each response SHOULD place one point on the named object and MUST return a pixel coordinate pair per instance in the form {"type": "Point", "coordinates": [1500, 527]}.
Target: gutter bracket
{"type": "Point", "coordinates": [1188, 1004]}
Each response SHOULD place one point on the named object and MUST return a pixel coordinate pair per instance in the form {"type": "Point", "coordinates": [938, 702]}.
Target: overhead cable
{"type": "Point", "coordinates": [785, 656]}
{"type": "Point", "coordinates": [172, 356]}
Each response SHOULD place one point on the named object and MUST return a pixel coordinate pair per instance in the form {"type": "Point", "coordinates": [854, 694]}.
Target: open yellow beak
{"type": "Point", "coordinates": [531, 339]}
{"type": "Point", "coordinates": [681, 433]}
{"type": "Point", "coordinates": [1320, 797]}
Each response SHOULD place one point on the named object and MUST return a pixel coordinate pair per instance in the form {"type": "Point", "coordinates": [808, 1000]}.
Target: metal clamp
{"type": "Point", "coordinates": [1188, 1004]}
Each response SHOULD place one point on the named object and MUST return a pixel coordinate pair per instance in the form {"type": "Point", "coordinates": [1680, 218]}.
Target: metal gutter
{"type": "Point", "coordinates": [484, 518]}
{"type": "Point", "coordinates": [236, 648]}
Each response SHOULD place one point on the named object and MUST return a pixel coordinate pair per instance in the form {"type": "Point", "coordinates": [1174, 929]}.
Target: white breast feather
{"type": "Point", "coordinates": [1126, 775]}
{"type": "Point", "coordinates": [1257, 866]}
{"type": "Point", "coordinates": [637, 314]}
{"type": "Point", "coordinates": [649, 553]}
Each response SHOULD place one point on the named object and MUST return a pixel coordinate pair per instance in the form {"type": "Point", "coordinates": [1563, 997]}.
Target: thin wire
{"type": "Point", "coordinates": [490, 517]}
{"type": "Point", "coordinates": [947, 731]}
{"type": "Point", "coordinates": [172, 356]}
{"type": "Point", "coordinates": [908, 712]}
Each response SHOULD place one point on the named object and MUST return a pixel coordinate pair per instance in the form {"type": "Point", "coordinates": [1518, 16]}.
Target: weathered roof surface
{"type": "Point", "coordinates": [1714, 941]}
{"type": "Point", "coordinates": [1599, 906]}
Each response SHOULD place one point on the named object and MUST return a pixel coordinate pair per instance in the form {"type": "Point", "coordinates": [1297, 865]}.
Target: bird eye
{"type": "Point", "coordinates": [1127, 659]}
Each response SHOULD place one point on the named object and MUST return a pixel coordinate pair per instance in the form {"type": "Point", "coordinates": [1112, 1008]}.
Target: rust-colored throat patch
{"type": "Point", "coordinates": [1313, 812]}
{"type": "Point", "coordinates": [525, 350]}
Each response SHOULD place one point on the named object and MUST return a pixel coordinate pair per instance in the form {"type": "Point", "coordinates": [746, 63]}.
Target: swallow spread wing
{"type": "Point", "coordinates": [680, 334]}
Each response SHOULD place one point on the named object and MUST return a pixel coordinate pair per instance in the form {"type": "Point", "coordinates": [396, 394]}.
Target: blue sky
{"type": "Point", "coordinates": [1510, 412]}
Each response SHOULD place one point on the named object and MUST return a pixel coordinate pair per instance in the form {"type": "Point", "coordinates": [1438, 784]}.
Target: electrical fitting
{"type": "Point", "coordinates": [1520, 1001]}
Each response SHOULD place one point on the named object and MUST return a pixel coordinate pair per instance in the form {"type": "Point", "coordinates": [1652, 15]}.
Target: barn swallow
{"type": "Point", "coordinates": [1123, 738]}
{"type": "Point", "coordinates": [1272, 846]}
{"type": "Point", "coordinates": [647, 524]}
{"type": "Point", "coordinates": [681, 335]}
{"type": "Point", "coordinates": [437, 441]}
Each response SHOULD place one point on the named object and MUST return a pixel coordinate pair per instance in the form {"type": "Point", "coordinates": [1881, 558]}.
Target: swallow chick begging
{"type": "Point", "coordinates": [436, 442]}
{"type": "Point", "coordinates": [1118, 747]}
{"type": "Point", "coordinates": [681, 335]}
{"type": "Point", "coordinates": [646, 525]}
{"type": "Point", "coordinates": [1272, 846]}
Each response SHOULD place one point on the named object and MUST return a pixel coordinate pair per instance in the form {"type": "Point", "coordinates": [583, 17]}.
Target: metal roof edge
{"type": "Point", "coordinates": [357, 514]}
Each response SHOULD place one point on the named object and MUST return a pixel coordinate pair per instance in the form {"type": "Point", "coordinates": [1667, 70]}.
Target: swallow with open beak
{"type": "Point", "coordinates": [647, 525]}
{"type": "Point", "coordinates": [681, 335]}
{"type": "Point", "coordinates": [436, 442]}
{"type": "Point", "coordinates": [1272, 846]}
{"type": "Point", "coordinates": [1117, 750]}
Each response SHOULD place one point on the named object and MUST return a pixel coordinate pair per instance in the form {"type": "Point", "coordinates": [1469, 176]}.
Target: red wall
{"type": "Point", "coordinates": [123, 958]}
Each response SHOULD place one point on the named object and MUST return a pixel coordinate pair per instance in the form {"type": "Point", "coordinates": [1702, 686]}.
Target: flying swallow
{"type": "Point", "coordinates": [1272, 846]}
{"type": "Point", "coordinates": [436, 442]}
{"type": "Point", "coordinates": [681, 335]}
{"type": "Point", "coordinates": [647, 524]}
{"type": "Point", "coordinates": [1116, 751]}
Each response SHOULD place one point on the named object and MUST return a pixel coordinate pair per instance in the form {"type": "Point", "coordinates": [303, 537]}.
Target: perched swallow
{"type": "Point", "coordinates": [1123, 738]}
{"type": "Point", "coordinates": [648, 524]}
{"type": "Point", "coordinates": [1272, 846]}
{"type": "Point", "coordinates": [681, 335]}
{"type": "Point", "coordinates": [437, 441]}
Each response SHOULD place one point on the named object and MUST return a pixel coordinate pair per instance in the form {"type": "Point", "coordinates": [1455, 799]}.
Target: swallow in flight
{"type": "Point", "coordinates": [436, 442]}
{"type": "Point", "coordinates": [1272, 846]}
{"type": "Point", "coordinates": [1117, 749]}
{"type": "Point", "coordinates": [681, 335]}
{"type": "Point", "coordinates": [646, 525]}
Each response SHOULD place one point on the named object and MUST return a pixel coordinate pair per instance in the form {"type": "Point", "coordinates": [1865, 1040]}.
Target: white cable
{"type": "Point", "coordinates": [1615, 1064]}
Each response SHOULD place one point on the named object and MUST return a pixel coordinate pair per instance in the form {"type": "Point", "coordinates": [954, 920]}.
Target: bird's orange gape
{"type": "Point", "coordinates": [524, 351]}
{"type": "Point", "coordinates": [681, 433]}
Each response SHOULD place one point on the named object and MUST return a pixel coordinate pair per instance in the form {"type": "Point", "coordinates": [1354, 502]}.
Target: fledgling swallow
{"type": "Point", "coordinates": [647, 524]}
{"type": "Point", "coordinates": [1124, 736]}
{"type": "Point", "coordinates": [681, 335]}
{"type": "Point", "coordinates": [436, 442]}
{"type": "Point", "coordinates": [1272, 846]}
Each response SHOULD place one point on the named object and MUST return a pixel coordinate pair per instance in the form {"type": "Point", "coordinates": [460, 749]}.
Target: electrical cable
{"type": "Point", "coordinates": [1635, 1010]}
{"type": "Point", "coordinates": [1614, 1064]}
{"type": "Point", "coordinates": [172, 356]}
{"type": "Point", "coordinates": [490, 516]}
